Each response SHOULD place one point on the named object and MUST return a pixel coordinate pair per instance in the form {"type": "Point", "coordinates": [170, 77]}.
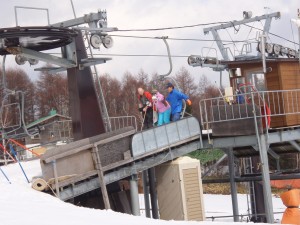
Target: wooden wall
{"type": "Point", "coordinates": [285, 75]}
{"type": "Point", "coordinates": [289, 75]}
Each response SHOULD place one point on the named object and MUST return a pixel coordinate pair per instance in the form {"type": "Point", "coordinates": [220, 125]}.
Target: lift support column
{"type": "Point", "coordinates": [84, 107]}
{"type": "Point", "coordinates": [134, 195]}
{"type": "Point", "coordinates": [233, 189]}
{"type": "Point", "coordinates": [266, 178]}
{"type": "Point", "coordinates": [146, 194]}
{"type": "Point", "coordinates": [153, 193]}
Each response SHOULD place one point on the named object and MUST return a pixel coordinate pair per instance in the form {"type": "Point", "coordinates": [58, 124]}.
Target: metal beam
{"type": "Point", "coordinates": [134, 195]}
{"type": "Point", "coordinates": [273, 154]}
{"type": "Point", "coordinates": [214, 29]}
{"type": "Point", "coordinates": [276, 157]}
{"type": "Point", "coordinates": [250, 140]}
{"type": "Point", "coordinates": [240, 22]}
{"type": "Point", "coordinates": [79, 189]}
{"type": "Point", "coordinates": [146, 194]}
{"type": "Point", "coordinates": [251, 178]}
{"type": "Point", "coordinates": [266, 180]}
{"type": "Point", "coordinates": [220, 44]}
{"type": "Point", "coordinates": [153, 194]}
{"type": "Point", "coordinates": [31, 54]}
{"type": "Point", "coordinates": [283, 136]}
{"type": "Point", "coordinates": [214, 166]}
{"type": "Point", "coordinates": [92, 62]}
{"type": "Point", "coordinates": [233, 188]}
{"type": "Point", "coordinates": [87, 18]}
{"type": "Point", "coordinates": [295, 145]}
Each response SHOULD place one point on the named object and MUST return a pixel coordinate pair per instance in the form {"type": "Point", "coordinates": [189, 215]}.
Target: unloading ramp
{"type": "Point", "coordinates": [82, 166]}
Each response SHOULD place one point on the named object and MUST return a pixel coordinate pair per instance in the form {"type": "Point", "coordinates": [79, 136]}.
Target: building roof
{"type": "Point", "coordinates": [52, 114]}
{"type": "Point", "coordinates": [258, 60]}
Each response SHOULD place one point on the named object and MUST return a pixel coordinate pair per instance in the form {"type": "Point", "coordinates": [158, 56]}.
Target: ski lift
{"type": "Point", "coordinates": [162, 77]}
{"type": "Point", "coordinates": [17, 107]}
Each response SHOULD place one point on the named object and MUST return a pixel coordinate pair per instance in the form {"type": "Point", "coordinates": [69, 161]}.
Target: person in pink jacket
{"type": "Point", "coordinates": [162, 106]}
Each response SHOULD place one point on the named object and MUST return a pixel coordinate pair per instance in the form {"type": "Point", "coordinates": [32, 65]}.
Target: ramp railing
{"type": "Point", "coordinates": [117, 123]}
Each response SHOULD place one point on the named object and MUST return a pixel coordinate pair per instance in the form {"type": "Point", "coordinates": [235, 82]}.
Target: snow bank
{"type": "Point", "coordinates": [20, 204]}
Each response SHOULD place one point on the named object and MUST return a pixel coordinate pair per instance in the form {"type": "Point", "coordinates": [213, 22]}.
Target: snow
{"type": "Point", "coordinates": [20, 204]}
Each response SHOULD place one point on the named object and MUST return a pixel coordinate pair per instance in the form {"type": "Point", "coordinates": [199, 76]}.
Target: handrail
{"type": "Point", "coordinates": [274, 103]}
{"type": "Point", "coordinates": [120, 122]}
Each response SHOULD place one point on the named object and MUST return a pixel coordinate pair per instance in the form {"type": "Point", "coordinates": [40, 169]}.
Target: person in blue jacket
{"type": "Point", "coordinates": [175, 98]}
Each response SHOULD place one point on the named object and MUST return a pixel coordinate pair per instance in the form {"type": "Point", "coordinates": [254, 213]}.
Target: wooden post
{"type": "Point", "coordinates": [97, 161]}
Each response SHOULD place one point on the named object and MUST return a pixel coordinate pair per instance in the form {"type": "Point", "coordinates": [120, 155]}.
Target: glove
{"type": "Point", "coordinates": [148, 104]}
{"type": "Point", "coordinates": [188, 102]}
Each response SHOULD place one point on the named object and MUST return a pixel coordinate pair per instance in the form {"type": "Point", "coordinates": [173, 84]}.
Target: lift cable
{"type": "Point", "coordinates": [176, 39]}
{"type": "Point", "coordinates": [276, 35]}
{"type": "Point", "coordinates": [140, 55]}
{"type": "Point", "coordinates": [168, 28]}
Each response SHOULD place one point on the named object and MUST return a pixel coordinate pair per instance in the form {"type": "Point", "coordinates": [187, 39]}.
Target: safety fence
{"type": "Point", "coordinates": [272, 108]}
{"type": "Point", "coordinates": [116, 123]}
{"type": "Point", "coordinates": [242, 217]}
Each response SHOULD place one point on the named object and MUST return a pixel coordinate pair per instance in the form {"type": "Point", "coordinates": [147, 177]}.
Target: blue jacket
{"type": "Point", "coordinates": [175, 99]}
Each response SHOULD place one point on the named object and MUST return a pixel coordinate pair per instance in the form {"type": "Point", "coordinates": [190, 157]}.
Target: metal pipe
{"type": "Point", "coordinates": [214, 166]}
{"type": "Point", "coordinates": [134, 195]}
{"type": "Point", "coordinates": [233, 189]}
{"type": "Point", "coordinates": [56, 178]}
{"type": "Point", "coordinates": [5, 175]}
{"type": "Point", "coordinates": [251, 178]}
{"type": "Point", "coordinates": [266, 180]}
{"type": "Point", "coordinates": [169, 57]}
{"type": "Point", "coordinates": [295, 145]}
{"type": "Point", "coordinates": [263, 51]}
{"type": "Point", "coordinates": [73, 8]}
{"type": "Point", "coordinates": [34, 8]}
{"type": "Point", "coordinates": [146, 194]}
{"type": "Point", "coordinates": [151, 173]}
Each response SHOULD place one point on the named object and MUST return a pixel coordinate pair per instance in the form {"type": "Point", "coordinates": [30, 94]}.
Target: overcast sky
{"type": "Point", "coordinates": [131, 14]}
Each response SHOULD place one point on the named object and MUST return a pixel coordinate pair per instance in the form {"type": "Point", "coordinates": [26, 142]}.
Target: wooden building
{"type": "Point", "coordinates": [52, 128]}
{"type": "Point", "coordinates": [278, 86]}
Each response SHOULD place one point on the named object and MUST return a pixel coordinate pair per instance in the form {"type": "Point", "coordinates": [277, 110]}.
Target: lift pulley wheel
{"type": "Point", "coordinates": [35, 38]}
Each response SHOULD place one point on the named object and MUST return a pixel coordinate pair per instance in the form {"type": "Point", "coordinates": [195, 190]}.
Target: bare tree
{"type": "Point", "coordinates": [185, 81]}
{"type": "Point", "coordinates": [158, 84]}
{"type": "Point", "coordinates": [18, 80]}
{"type": "Point", "coordinates": [143, 78]}
{"type": "Point", "coordinates": [111, 88]}
{"type": "Point", "coordinates": [52, 93]}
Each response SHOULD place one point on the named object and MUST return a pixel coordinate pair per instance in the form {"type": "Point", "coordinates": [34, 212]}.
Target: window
{"type": "Point", "coordinates": [257, 79]}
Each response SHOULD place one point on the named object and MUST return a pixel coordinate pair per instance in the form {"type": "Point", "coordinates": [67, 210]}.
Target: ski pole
{"type": "Point", "coordinates": [15, 155]}
{"type": "Point", "coordinates": [5, 175]}
{"type": "Point", "coordinates": [144, 119]}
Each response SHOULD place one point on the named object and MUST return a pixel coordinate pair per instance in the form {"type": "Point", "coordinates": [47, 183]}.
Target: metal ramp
{"type": "Point", "coordinates": [144, 143]}
{"type": "Point", "coordinates": [73, 170]}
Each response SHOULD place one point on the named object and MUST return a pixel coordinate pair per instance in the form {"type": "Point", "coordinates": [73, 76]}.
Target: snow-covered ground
{"type": "Point", "coordinates": [21, 205]}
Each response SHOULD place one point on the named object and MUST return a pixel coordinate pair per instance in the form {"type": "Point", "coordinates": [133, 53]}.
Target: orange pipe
{"type": "Point", "coordinates": [17, 143]}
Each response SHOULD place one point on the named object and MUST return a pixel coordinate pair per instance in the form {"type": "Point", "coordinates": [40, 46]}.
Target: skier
{"type": "Point", "coordinates": [145, 107]}
{"type": "Point", "coordinates": [162, 106]}
{"type": "Point", "coordinates": [175, 98]}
